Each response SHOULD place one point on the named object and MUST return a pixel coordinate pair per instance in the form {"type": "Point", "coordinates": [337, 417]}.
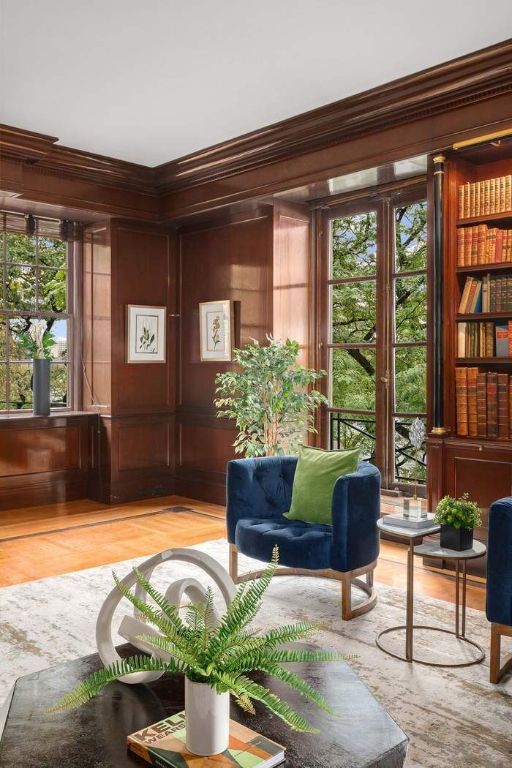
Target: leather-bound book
{"type": "Point", "coordinates": [481, 404]}
{"type": "Point", "coordinates": [503, 427]}
{"type": "Point", "coordinates": [489, 339]}
{"type": "Point", "coordinates": [460, 247]}
{"type": "Point", "coordinates": [472, 375]}
{"type": "Point", "coordinates": [461, 390]}
{"type": "Point", "coordinates": [492, 404]}
{"type": "Point", "coordinates": [498, 249]}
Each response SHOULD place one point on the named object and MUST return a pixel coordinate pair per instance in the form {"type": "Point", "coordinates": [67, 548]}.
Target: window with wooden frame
{"type": "Point", "coordinates": [36, 278]}
{"type": "Point", "coordinates": [375, 321]}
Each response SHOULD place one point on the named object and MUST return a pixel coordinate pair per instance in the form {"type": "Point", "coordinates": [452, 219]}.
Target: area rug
{"type": "Point", "coordinates": [453, 717]}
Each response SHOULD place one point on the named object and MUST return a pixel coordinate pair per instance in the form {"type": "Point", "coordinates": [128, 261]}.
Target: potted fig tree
{"type": "Point", "coordinates": [457, 518]}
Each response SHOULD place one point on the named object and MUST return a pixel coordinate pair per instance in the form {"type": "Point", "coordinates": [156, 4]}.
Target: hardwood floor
{"type": "Point", "coordinates": [36, 542]}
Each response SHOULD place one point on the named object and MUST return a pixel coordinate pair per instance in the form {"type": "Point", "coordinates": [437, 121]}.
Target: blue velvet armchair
{"type": "Point", "coordinates": [499, 583]}
{"type": "Point", "coordinates": [259, 492]}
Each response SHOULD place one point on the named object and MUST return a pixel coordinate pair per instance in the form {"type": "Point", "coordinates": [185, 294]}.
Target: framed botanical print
{"type": "Point", "coordinates": [145, 336]}
{"type": "Point", "coordinates": [216, 330]}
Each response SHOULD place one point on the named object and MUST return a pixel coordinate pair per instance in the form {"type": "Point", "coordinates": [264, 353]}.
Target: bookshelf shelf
{"type": "Point", "coordinates": [484, 360]}
{"type": "Point", "coordinates": [489, 217]}
{"type": "Point", "coordinates": [477, 268]}
{"type": "Point", "coordinates": [485, 316]}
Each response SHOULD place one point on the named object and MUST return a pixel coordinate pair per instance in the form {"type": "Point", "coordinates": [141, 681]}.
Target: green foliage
{"type": "Point", "coordinates": [30, 346]}
{"type": "Point", "coordinates": [34, 269]}
{"type": "Point", "coordinates": [218, 654]}
{"type": "Point", "coordinates": [269, 398]}
{"type": "Point", "coordinates": [354, 321]}
{"type": "Point", "coordinates": [459, 513]}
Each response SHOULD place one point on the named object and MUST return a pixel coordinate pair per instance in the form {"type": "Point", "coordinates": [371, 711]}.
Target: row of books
{"type": "Point", "coordinates": [484, 403]}
{"type": "Point", "coordinates": [486, 339]}
{"type": "Point", "coordinates": [483, 245]}
{"type": "Point", "coordinates": [488, 294]}
{"type": "Point", "coordinates": [483, 198]}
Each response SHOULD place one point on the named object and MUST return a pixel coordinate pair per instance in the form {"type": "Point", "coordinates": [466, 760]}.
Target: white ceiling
{"type": "Point", "coordinates": [152, 80]}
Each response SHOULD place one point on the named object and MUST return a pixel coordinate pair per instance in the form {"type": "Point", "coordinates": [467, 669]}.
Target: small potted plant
{"type": "Point", "coordinates": [457, 518]}
{"type": "Point", "coordinates": [216, 656]}
{"type": "Point", "coordinates": [38, 342]}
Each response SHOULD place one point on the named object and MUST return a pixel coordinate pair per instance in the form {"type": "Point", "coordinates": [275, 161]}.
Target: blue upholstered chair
{"type": "Point", "coordinates": [499, 583]}
{"type": "Point", "coordinates": [259, 492]}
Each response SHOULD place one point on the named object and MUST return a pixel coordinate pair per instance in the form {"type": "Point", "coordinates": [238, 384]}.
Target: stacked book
{"type": "Point", "coordinates": [484, 198]}
{"type": "Point", "coordinates": [488, 294]}
{"type": "Point", "coordinates": [483, 245]}
{"type": "Point", "coordinates": [487, 339]}
{"type": "Point", "coordinates": [163, 744]}
{"type": "Point", "coordinates": [484, 404]}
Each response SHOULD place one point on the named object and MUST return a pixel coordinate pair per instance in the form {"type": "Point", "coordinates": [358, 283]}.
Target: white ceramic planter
{"type": "Point", "coordinates": [207, 714]}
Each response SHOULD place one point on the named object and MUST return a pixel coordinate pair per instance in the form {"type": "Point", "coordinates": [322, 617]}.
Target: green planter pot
{"type": "Point", "coordinates": [41, 388]}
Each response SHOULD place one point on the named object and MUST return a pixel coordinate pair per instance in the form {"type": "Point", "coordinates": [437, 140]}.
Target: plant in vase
{"type": "Point", "coordinates": [216, 657]}
{"type": "Point", "coordinates": [457, 518]}
{"type": "Point", "coordinates": [38, 341]}
{"type": "Point", "coordinates": [269, 398]}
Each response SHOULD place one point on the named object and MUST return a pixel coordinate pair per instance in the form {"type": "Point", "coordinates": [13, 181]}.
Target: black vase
{"type": "Point", "coordinates": [41, 388]}
{"type": "Point", "coordinates": [458, 539]}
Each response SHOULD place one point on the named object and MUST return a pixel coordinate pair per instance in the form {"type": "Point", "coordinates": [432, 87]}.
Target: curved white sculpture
{"type": "Point", "coordinates": [132, 627]}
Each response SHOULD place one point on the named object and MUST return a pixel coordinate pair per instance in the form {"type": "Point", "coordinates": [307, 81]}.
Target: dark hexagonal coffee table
{"type": "Point", "coordinates": [94, 736]}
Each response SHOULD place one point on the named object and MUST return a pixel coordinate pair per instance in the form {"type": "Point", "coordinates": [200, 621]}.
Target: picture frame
{"type": "Point", "coordinates": [145, 334]}
{"type": "Point", "coordinates": [216, 331]}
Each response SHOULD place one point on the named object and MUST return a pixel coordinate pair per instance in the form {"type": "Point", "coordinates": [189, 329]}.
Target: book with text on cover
{"type": "Point", "coordinates": [163, 744]}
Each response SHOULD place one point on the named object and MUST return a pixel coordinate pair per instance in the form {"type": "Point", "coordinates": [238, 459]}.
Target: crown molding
{"type": "Point", "coordinates": [462, 81]}
{"type": "Point", "coordinates": [454, 85]}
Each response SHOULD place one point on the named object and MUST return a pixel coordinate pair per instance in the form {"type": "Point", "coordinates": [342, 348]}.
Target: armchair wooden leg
{"type": "Point", "coordinates": [497, 669]}
{"type": "Point", "coordinates": [233, 563]}
{"type": "Point", "coordinates": [348, 580]}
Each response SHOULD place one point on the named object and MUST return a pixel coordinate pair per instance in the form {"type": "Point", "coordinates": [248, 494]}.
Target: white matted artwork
{"type": "Point", "coordinates": [145, 336]}
{"type": "Point", "coordinates": [216, 330]}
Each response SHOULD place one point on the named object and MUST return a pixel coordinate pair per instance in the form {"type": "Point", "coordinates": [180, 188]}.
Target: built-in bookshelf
{"type": "Point", "coordinates": [479, 259]}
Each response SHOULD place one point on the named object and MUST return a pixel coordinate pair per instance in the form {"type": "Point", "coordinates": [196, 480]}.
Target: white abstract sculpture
{"type": "Point", "coordinates": [132, 627]}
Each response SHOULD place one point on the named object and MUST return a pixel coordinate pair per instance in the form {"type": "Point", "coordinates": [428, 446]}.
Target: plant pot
{"type": "Point", "coordinates": [207, 718]}
{"type": "Point", "coordinates": [457, 539]}
{"type": "Point", "coordinates": [41, 388]}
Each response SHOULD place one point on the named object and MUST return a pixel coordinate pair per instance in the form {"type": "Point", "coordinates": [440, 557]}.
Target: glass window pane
{"type": "Point", "coordinates": [21, 287]}
{"type": "Point", "coordinates": [410, 463]}
{"type": "Point", "coordinates": [20, 248]}
{"type": "Point", "coordinates": [354, 312]}
{"type": "Point", "coordinates": [52, 290]}
{"type": "Point", "coordinates": [58, 385]}
{"type": "Point", "coordinates": [351, 430]}
{"type": "Point", "coordinates": [17, 327]}
{"type": "Point", "coordinates": [353, 378]}
{"type": "Point", "coordinates": [3, 339]}
{"type": "Point", "coordinates": [411, 308]}
{"type": "Point", "coordinates": [3, 386]}
{"type": "Point", "coordinates": [354, 245]}
{"type": "Point", "coordinates": [20, 385]}
{"type": "Point", "coordinates": [59, 329]}
{"type": "Point", "coordinates": [52, 253]}
{"type": "Point", "coordinates": [410, 379]}
{"type": "Point", "coordinates": [411, 236]}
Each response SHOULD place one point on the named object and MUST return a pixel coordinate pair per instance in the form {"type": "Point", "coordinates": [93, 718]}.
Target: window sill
{"type": "Point", "coordinates": [26, 415]}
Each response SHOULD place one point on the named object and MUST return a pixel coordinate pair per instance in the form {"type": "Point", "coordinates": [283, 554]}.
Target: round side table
{"type": "Point", "coordinates": [435, 551]}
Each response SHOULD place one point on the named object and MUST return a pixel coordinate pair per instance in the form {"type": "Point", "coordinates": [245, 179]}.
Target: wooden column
{"type": "Point", "coordinates": [438, 426]}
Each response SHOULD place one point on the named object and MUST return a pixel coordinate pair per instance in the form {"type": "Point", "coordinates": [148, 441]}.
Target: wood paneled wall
{"type": "Point", "coordinates": [263, 264]}
{"type": "Point", "coordinates": [134, 451]}
{"type": "Point", "coordinates": [44, 460]}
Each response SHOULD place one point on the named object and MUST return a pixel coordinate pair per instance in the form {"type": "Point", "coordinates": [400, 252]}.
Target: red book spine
{"type": "Point", "coordinates": [481, 404]}
{"type": "Point", "coordinates": [472, 402]}
{"type": "Point", "coordinates": [503, 406]}
{"type": "Point", "coordinates": [492, 404]}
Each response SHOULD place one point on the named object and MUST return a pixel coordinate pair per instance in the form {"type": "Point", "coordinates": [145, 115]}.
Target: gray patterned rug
{"type": "Point", "coordinates": [453, 717]}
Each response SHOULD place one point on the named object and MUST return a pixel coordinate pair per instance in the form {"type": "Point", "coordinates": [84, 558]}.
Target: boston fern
{"type": "Point", "coordinates": [269, 397]}
{"type": "Point", "coordinates": [218, 653]}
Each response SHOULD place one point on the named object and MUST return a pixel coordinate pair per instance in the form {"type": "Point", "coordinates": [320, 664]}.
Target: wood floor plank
{"type": "Point", "coordinates": [36, 542]}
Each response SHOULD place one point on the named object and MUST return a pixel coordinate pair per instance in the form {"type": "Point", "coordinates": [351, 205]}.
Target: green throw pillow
{"type": "Point", "coordinates": [313, 484]}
